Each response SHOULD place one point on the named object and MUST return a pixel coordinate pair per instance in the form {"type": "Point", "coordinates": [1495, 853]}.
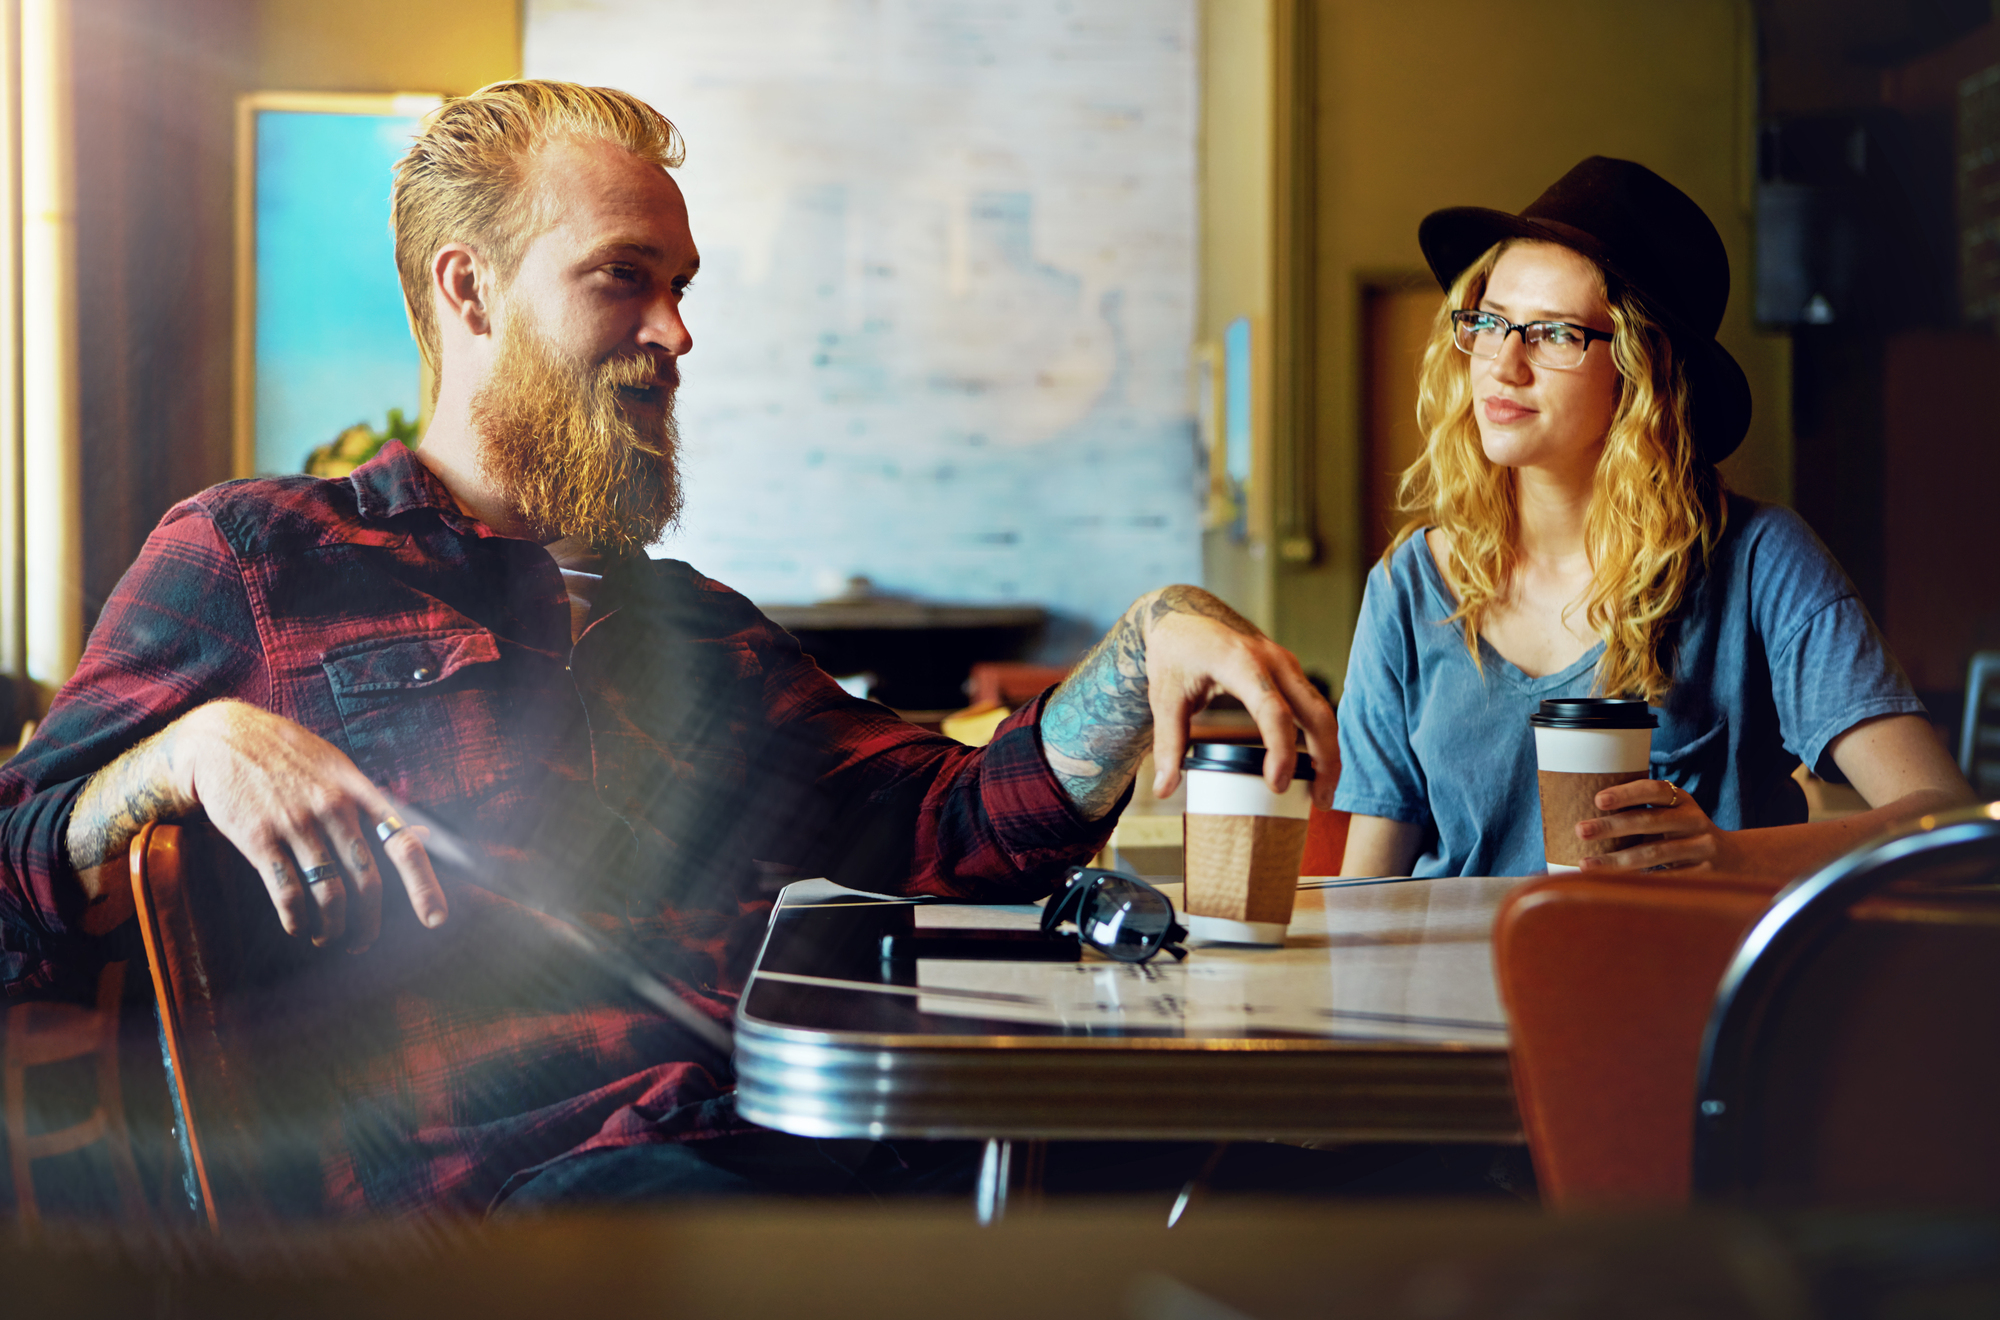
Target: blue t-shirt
{"type": "Point", "coordinates": [1775, 658]}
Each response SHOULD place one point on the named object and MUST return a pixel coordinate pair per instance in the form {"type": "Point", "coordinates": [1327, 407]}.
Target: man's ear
{"type": "Point", "coordinates": [459, 283]}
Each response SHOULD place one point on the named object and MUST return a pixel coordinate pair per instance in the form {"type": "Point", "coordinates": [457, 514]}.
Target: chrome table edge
{"type": "Point", "coordinates": [831, 1084]}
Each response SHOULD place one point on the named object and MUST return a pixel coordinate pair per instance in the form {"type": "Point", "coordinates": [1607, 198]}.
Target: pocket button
{"type": "Point", "coordinates": [423, 674]}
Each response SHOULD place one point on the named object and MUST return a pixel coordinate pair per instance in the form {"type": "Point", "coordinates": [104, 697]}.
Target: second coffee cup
{"type": "Point", "coordinates": [1584, 745]}
{"type": "Point", "coordinates": [1244, 843]}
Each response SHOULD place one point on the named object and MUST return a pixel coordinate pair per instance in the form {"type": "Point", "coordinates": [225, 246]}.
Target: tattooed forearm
{"type": "Point", "coordinates": [1099, 724]}
{"type": "Point", "coordinates": [118, 801]}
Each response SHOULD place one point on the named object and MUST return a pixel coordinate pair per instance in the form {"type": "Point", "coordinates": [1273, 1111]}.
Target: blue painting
{"type": "Point", "coordinates": [333, 344]}
{"type": "Point", "coordinates": [1236, 410]}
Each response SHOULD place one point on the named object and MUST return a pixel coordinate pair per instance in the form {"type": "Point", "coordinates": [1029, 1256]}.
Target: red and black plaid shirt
{"type": "Point", "coordinates": [644, 780]}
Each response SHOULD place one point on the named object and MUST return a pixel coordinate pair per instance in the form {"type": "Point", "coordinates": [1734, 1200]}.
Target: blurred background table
{"type": "Point", "coordinates": [914, 654]}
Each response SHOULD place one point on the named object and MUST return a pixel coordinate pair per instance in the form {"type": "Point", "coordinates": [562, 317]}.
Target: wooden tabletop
{"type": "Point", "coordinates": [1378, 1020]}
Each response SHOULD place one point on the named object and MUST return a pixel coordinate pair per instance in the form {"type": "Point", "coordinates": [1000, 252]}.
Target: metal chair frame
{"type": "Point", "coordinates": [1977, 734]}
{"type": "Point", "coordinates": [1795, 927]}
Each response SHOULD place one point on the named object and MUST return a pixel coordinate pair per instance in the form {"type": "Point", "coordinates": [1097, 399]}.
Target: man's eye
{"type": "Point", "coordinates": [623, 274]}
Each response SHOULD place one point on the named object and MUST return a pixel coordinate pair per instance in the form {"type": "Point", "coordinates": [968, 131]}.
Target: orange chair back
{"type": "Point", "coordinates": [1608, 985]}
{"type": "Point", "coordinates": [1880, 1076]}
{"type": "Point", "coordinates": [1010, 683]}
{"type": "Point", "coordinates": [1326, 843]}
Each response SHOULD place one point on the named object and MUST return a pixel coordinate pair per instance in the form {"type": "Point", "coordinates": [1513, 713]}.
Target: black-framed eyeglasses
{"type": "Point", "coordinates": [1557, 344]}
{"type": "Point", "coordinates": [1117, 914]}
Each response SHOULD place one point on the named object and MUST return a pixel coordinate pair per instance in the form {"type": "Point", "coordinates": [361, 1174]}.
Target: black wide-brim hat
{"type": "Point", "coordinates": [1649, 234]}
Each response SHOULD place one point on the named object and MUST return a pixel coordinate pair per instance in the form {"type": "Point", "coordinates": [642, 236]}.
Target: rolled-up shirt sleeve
{"type": "Point", "coordinates": [176, 633]}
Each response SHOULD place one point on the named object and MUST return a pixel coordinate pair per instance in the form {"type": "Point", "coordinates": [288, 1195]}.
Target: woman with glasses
{"type": "Point", "coordinates": [1570, 536]}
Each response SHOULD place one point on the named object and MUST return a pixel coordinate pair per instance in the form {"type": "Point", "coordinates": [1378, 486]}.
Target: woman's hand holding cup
{"type": "Point", "coordinates": [1678, 833]}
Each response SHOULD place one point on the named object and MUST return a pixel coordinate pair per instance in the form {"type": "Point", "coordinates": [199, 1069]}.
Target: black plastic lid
{"type": "Point", "coordinates": [1237, 759]}
{"type": "Point", "coordinates": [1594, 713]}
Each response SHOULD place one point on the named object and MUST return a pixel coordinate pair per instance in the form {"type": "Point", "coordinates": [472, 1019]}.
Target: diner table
{"type": "Point", "coordinates": [1379, 1020]}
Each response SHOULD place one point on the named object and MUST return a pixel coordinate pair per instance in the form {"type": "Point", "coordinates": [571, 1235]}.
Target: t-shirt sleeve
{"type": "Point", "coordinates": [1830, 668]}
{"type": "Point", "coordinates": [1379, 773]}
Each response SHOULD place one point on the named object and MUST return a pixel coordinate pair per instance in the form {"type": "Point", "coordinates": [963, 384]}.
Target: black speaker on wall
{"type": "Point", "coordinates": [1855, 222]}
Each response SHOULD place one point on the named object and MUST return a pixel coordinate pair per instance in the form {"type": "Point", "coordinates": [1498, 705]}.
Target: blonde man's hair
{"type": "Point", "coordinates": [465, 178]}
{"type": "Point", "coordinates": [1655, 509]}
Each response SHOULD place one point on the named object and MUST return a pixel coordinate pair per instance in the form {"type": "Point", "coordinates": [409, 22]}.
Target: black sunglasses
{"type": "Point", "coordinates": [1116, 914]}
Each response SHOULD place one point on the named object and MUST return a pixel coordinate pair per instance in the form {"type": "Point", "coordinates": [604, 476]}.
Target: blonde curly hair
{"type": "Point", "coordinates": [1655, 509]}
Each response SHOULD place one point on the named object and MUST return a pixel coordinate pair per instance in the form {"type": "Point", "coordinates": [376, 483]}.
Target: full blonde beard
{"type": "Point", "coordinates": [568, 454]}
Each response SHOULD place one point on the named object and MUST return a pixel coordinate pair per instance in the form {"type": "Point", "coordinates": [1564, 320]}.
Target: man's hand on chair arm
{"type": "Point", "coordinates": [290, 801]}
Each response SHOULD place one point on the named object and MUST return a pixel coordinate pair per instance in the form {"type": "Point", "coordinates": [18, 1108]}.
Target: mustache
{"type": "Point", "coordinates": [640, 373]}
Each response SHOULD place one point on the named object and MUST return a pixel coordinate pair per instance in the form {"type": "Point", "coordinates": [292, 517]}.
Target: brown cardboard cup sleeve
{"type": "Point", "coordinates": [1243, 849]}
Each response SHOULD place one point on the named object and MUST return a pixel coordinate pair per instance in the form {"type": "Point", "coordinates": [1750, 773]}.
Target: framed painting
{"type": "Point", "coordinates": [326, 366]}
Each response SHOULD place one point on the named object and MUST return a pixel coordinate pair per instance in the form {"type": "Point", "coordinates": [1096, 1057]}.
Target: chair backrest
{"type": "Point", "coordinates": [1608, 984]}
{"type": "Point", "coordinates": [187, 984]}
{"type": "Point", "coordinates": [214, 946]}
{"type": "Point", "coordinates": [1010, 683]}
{"type": "Point", "coordinates": [1979, 736]}
{"type": "Point", "coordinates": [1851, 1056]}
{"type": "Point", "coordinates": [1326, 843]}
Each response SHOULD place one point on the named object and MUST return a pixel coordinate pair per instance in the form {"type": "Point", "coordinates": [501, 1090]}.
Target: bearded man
{"type": "Point", "coordinates": [474, 629]}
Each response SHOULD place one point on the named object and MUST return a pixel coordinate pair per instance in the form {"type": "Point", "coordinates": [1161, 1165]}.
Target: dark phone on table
{"type": "Point", "coordinates": [988, 945]}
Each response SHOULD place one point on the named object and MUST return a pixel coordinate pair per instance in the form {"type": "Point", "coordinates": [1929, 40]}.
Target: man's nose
{"type": "Point", "coordinates": [664, 329]}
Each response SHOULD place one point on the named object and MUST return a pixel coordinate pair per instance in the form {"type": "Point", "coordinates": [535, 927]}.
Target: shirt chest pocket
{"type": "Point", "coordinates": [1696, 760]}
{"type": "Point", "coordinates": [422, 713]}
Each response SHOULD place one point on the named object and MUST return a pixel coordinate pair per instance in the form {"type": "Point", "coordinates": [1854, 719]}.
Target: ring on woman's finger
{"type": "Point", "coordinates": [319, 875]}
{"type": "Point", "coordinates": [390, 826]}
{"type": "Point", "coordinates": [1675, 800]}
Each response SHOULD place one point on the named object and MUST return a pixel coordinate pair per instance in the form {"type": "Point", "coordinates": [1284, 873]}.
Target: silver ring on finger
{"type": "Point", "coordinates": [319, 875]}
{"type": "Point", "coordinates": [390, 826]}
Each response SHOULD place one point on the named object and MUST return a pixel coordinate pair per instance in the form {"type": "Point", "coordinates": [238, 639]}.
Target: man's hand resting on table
{"type": "Point", "coordinates": [1172, 652]}
{"type": "Point", "coordinates": [289, 800]}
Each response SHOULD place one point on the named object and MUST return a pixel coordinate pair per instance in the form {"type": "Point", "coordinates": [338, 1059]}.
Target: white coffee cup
{"type": "Point", "coordinates": [1584, 745]}
{"type": "Point", "coordinates": [1243, 842]}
